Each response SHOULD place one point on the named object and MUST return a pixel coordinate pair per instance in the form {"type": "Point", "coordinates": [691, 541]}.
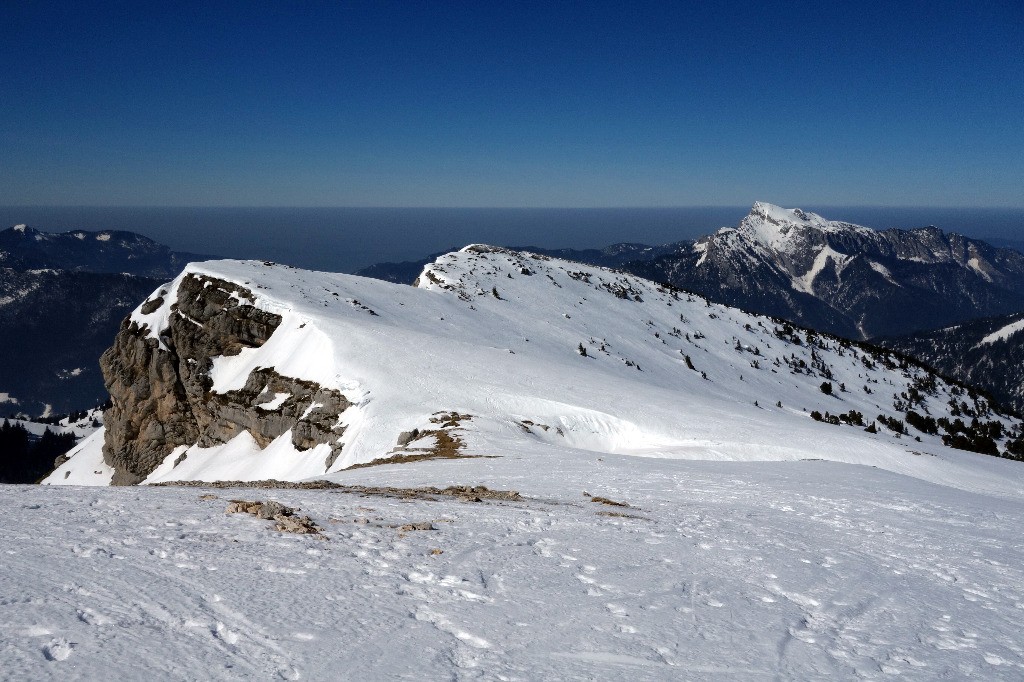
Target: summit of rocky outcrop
{"type": "Point", "coordinates": [161, 386]}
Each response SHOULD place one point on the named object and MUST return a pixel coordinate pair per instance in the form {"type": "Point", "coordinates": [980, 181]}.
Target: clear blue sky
{"type": "Point", "coordinates": [300, 102]}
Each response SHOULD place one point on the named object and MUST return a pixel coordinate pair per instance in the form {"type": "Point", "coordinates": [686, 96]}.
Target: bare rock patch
{"type": "Point", "coordinates": [285, 518]}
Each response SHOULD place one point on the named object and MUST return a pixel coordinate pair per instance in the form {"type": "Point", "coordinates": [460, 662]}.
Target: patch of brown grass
{"type": "Point", "coordinates": [620, 515]}
{"type": "Point", "coordinates": [611, 503]}
{"type": "Point", "coordinates": [462, 493]}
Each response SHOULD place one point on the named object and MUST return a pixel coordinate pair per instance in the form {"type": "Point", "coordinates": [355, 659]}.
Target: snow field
{"type": "Point", "coordinates": [741, 570]}
{"type": "Point", "coordinates": [741, 553]}
{"type": "Point", "coordinates": [1004, 333]}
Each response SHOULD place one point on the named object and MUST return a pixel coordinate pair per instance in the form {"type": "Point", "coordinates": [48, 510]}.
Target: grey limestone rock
{"type": "Point", "coordinates": [163, 395]}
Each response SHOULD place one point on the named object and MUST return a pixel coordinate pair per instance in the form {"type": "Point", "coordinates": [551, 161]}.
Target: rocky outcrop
{"type": "Point", "coordinates": [310, 412]}
{"type": "Point", "coordinates": [162, 392]}
{"type": "Point", "coordinates": [286, 518]}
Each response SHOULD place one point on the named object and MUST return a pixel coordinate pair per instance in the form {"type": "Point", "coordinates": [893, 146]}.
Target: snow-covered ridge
{"type": "Point", "coordinates": [1004, 333]}
{"type": "Point", "coordinates": [777, 227]}
{"type": "Point", "coordinates": [776, 257]}
{"type": "Point", "coordinates": [773, 230]}
{"type": "Point", "coordinates": [553, 356]}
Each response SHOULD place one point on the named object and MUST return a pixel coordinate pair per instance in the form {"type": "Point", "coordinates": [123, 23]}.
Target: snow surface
{"type": "Point", "coordinates": [20, 293]}
{"type": "Point", "coordinates": [883, 271]}
{"type": "Point", "coordinates": [276, 402]}
{"type": "Point", "coordinates": [777, 227]}
{"type": "Point", "coordinates": [719, 570]}
{"type": "Point", "coordinates": [79, 430]}
{"type": "Point", "coordinates": [839, 261]}
{"type": "Point", "coordinates": [89, 467]}
{"type": "Point", "coordinates": [974, 264]}
{"type": "Point", "coordinates": [480, 337]}
{"type": "Point", "coordinates": [1004, 333]}
{"type": "Point", "coordinates": [743, 553]}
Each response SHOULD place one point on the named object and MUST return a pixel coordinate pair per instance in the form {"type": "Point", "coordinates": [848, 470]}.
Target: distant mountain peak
{"type": "Point", "coordinates": [775, 226]}
{"type": "Point", "coordinates": [20, 231]}
{"type": "Point", "coordinates": [779, 215]}
{"type": "Point", "coordinates": [846, 278]}
{"type": "Point", "coordinates": [111, 251]}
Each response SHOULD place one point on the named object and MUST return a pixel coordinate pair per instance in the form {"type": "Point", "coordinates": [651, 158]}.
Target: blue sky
{"type": "Point", "coordinates": [346, 103]}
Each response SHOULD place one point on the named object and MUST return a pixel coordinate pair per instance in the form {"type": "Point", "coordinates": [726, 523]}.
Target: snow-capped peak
{"type": "Point", "coordinates": [779, 215]}
{"type": "Point", "coordinates": [23, 230]}
{"type": "Point", "coordinates": [775, 227]}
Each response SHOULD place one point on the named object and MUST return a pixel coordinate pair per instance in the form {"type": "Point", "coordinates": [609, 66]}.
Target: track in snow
{"type": "Point", "coordinates": [744, 570]}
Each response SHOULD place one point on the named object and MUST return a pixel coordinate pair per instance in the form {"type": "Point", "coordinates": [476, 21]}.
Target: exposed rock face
{"type": "Point", "coordinates": [311, 412]}
{"type": "Point", "coordinates": [163, 395]}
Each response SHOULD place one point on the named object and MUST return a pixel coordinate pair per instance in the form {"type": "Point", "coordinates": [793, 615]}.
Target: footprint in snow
{"type": "Point", "coordinates": [444, 625]}
{"type": "Point", "coordinates": [221, 632]}
{"type": "Point", "coordinates": [36, 631]}
{"type": "Point", "coordinates": [90, 617]}
{"type": "Point", "coordinates": [543, 547]}
{"type": "Point", "coordinates": [286, 670]}
{"type": "Point", "coordinates": [58, 649]}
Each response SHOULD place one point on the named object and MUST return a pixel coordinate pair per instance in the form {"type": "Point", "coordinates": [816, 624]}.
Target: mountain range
{"type": "Point", "coordinates": [242, 370]}
{"type": "Point", "coordinates": [62, 295]}
{"type": "Point", "coordinates": [847, 279]}
{"type": "Point", "coordinates": [893, 286]}
{"type": "Point", "coordinates": [62, 298]}
{"type": "Point", "coordinates": [833, 276]}
{"type": "Point", "coordinates": [23, 248]}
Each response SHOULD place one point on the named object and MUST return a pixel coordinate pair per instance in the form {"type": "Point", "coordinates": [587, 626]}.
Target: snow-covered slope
{"type": "Point", "coordinates": [620, 556]}
{"type": "Point", "coordinates": [987, 353]}
{"type": "Point", "coordinates": [716, 571]}
{"type": "Point", "coordinates": [495, 352]}
{"type": "Point", "coordinates": [83, 425]}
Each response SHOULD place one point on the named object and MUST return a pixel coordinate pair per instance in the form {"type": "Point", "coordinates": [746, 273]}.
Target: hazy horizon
{"type": "Point", "coordinates": [345, 239]}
